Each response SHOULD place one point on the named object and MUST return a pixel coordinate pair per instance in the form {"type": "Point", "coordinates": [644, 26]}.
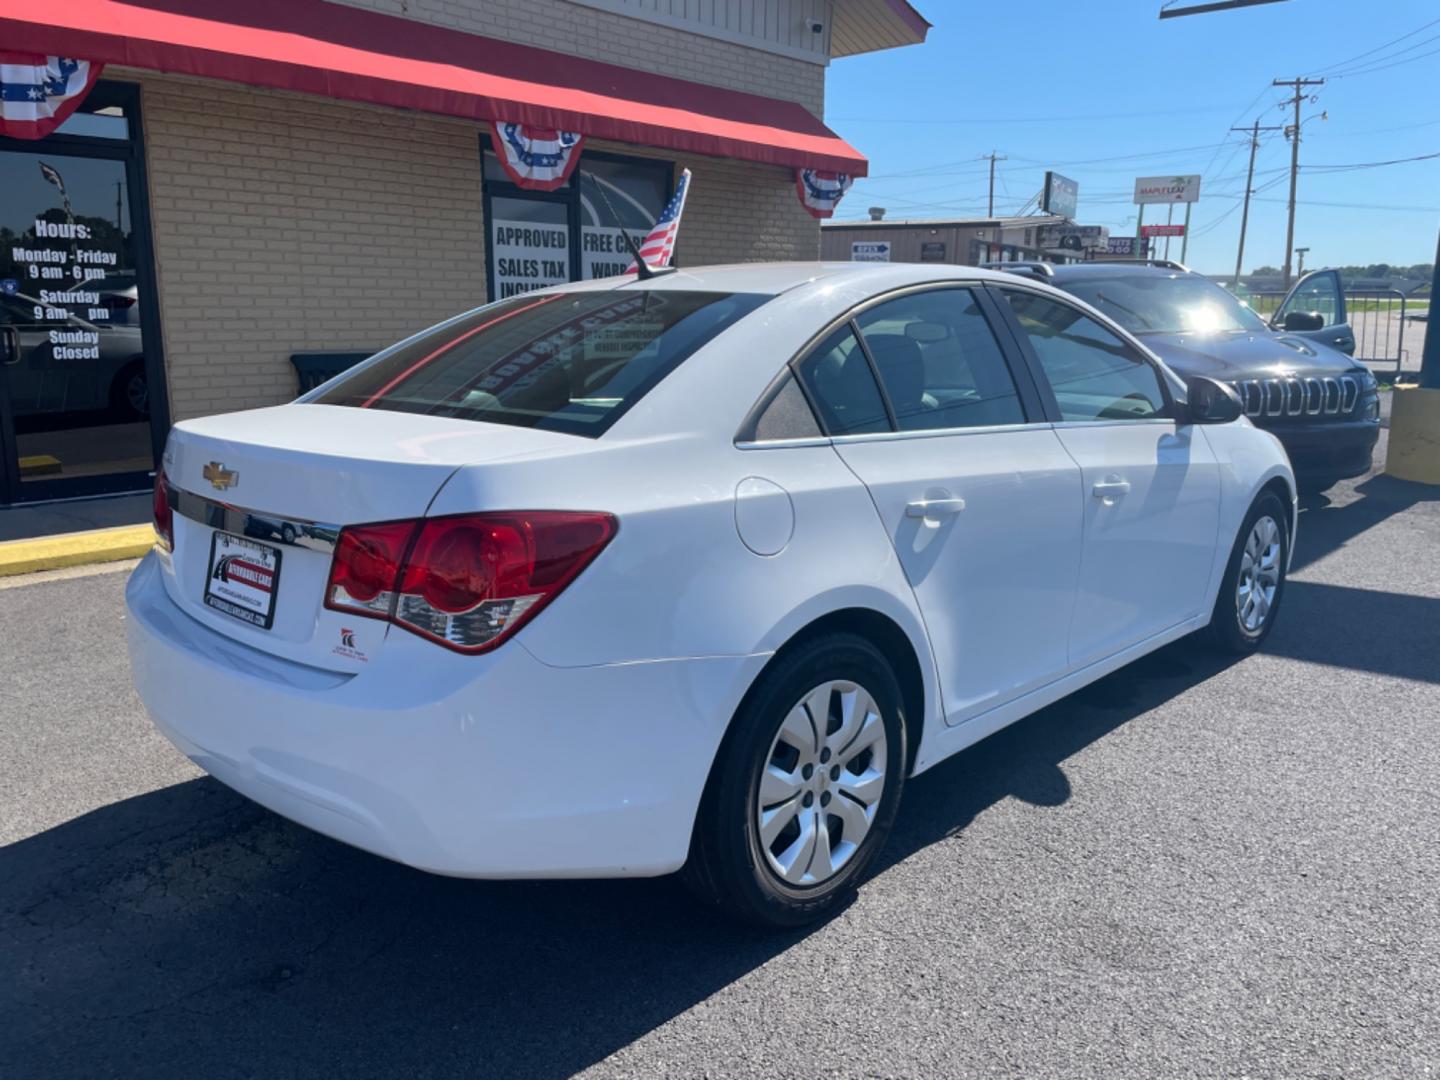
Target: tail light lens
{"type": "Point", "coordinates": [465, 582]}
{"type": "Point", "coordinates": [164, 516]}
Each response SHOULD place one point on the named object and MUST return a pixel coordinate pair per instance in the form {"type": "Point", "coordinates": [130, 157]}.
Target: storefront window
{"type": "Point", "coordinates": [539, 239]}
{"type": "Point", "coordinates": [77, 399]}
{"type": "Point", "coordinates": [529, 245]}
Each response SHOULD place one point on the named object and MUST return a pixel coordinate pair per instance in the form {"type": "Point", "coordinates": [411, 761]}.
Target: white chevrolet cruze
{"type": "Point", "coordinates": [629, 576]}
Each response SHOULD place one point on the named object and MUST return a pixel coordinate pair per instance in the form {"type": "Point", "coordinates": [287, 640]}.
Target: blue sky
{"type": "Point", "coordinates": [1104, 91]}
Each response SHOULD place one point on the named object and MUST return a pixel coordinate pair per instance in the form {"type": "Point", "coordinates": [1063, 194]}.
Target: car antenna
{"type": "Point", "coordinates": [643, 270]}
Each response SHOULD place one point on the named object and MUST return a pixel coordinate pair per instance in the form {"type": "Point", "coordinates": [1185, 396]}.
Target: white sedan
{"type": "Point", "coordinates": [626, 577]}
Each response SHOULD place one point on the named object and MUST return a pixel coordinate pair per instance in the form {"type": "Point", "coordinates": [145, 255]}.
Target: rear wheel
{"type": "Point", "coordinates": [130, 391]}
{"type": "Point", "coordinates": [1254, 580]}
{"type": "Point", "coordinates": [805, 788]}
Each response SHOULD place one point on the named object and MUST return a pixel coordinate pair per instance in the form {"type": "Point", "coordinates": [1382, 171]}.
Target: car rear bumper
{"type": "Point", "coordinates": [473, 766]}
{"type": "Point", "coordinates": [1337, 450]}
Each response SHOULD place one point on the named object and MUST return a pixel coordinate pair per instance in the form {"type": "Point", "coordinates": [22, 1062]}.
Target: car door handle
{"type": "Point", "coordinates": [934, 508]}
{"type": "Point", "coordinates": [1109, 488]}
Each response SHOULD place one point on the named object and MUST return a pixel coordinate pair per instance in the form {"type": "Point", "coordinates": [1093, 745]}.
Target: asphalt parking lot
{"type": "Point", "coordinates": [1189, 868]}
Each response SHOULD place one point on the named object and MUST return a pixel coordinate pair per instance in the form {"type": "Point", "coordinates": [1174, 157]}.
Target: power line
{"type": "Point", "coordinates": [1385, 66]}
{"type": "Point", "coordinates": [1378, 48]}
{"type": "Point", "coordinates": [1370, 164]}
{"type": "Point", "coordinates": [1050, 119]}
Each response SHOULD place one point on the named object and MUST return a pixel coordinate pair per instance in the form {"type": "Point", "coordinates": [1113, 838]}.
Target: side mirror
{"type": "Point", "coordinates": [1304, 320]}
{"type": "Point", "coordinates": [1209, 401]}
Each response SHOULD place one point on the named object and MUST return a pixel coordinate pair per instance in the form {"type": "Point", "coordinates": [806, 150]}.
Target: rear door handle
{"type": "Point", "coordinates": [934, 508]}
{"type": "Point", "coordinates": [1109, 488]}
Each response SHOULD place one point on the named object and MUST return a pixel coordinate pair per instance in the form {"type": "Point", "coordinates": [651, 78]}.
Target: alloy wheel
{"type": "Point", "coordinates": [1259, 578]}
{"type": "Point", "coordinates": [821, 783]}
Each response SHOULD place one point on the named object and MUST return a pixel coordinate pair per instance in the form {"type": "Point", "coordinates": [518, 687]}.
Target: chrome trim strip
{"type": "Point", "coordinates": [1350, 393]}
{"type": "Point", "coordinates": [1314, 396]}
{"type": "Point", "coordinates": [268, 528]}
{"type": "Point", "coordinates": [1332, 384]}
{"type": "Point", "coordinates": [937, 433]}
{"type": "Point", "coordinates": [1295, 396]}
{"type": "Point", "coordinates": [1278, 406]}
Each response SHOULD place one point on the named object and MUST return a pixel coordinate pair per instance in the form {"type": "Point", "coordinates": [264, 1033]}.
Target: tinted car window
{"type": "Point", "coordinates": [572, 362]}
{"type": "Point", "coordinates": [840, 383]}
{"type": "Point", "coordinates": [1164, 303]}
{"type": "Point", "coordinates": [1094, 374]}
{"type": "Point", "coordinates": [939, 362]}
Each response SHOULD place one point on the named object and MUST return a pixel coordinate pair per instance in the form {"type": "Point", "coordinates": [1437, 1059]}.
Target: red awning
{"type": "Point", "coordinates": [342, 52]}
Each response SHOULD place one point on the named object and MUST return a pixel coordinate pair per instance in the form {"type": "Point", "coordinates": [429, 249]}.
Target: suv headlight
{"type": "Point", "coordinates": [1366, 378]}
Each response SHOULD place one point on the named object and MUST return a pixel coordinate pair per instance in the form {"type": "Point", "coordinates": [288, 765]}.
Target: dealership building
{"type": "Point", "coordinates": [249, 196]}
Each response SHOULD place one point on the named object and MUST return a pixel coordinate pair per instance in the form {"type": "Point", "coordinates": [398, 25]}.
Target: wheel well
{"type": "Point", "coordinates": [885, 634]}
{"type": "Point", "coordinates": [1282, 491]}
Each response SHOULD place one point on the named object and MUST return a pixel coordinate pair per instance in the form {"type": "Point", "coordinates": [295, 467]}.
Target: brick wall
{"type": "Point", "coordinates": [618, 39]}
{"type": "Point", "coordinates": [285, 223]}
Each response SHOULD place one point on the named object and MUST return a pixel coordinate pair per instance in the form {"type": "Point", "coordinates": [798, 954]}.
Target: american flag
{"type": "Point", "coordinates": [658, 247]}
{"type": "Point", "coordinates": [38, 93]}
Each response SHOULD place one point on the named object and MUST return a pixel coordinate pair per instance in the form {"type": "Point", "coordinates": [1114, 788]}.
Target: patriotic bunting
{"type": "Point", "coordinates": [537, 158]}
{"type": "Point", "coordinates": [658, 247]}
{"type": "Point", "coordinates": [38, 93]}
{"type": "Point", "coordinates": [820, 191]}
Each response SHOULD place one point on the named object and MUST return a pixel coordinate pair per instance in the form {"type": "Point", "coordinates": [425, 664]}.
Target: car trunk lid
{"type": "Point", "coordinates": [260, 498]}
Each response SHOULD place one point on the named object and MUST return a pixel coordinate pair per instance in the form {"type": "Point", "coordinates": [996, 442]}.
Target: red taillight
{"type": "Point", "coordinates": [467, 582]}
{"type": "Point", "coordinates": [367, 566]}
{"type": "Point", "coordinates": [164, 516]}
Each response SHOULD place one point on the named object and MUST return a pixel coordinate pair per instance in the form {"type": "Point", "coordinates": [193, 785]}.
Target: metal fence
{"type": "Point", "coordinates": [1377, 317]}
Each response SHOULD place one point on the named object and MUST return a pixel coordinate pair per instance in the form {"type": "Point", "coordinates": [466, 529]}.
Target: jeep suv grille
{"type": "Point", "coordinates": [1296, 398]}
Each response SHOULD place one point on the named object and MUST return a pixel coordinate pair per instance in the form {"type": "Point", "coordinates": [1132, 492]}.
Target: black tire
{"type": "Point", "coordinates": [130, 392]}
{"type": "Point", "coordinates": [287, 533]}
{"type": "Point", "coordinates": [727, 866]}
{"type": "Point", "coordinates": [1227, 633]}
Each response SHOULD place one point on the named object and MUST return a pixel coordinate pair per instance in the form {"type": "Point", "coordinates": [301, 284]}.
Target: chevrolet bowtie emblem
{"type": "Point", "coordinates": [219, 476]}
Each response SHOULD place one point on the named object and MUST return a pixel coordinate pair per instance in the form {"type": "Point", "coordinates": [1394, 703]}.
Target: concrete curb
{"type": "Point", "coordinates": [75, 549]}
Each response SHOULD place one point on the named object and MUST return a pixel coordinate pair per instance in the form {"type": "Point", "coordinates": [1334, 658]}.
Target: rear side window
{"type": "Point", "coordinates": [571, 362]}
{"type": "Point", "coordinates": [1093, 373]}
{"type": "Point", "coordinates": [939, 362]}
{"type": "Point", "coordinates": [838, 378]}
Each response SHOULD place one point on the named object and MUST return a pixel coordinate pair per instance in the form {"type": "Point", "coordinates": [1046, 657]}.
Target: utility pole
{"type": "Point", "coordinates": [993, 157]}
{"type": "Point", "coordinates": [1254, 131]}
{"type": "Point", "coordinates": [1298, 85]}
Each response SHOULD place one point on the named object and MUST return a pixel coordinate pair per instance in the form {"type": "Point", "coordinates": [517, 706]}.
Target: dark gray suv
{"type": "Point", "coordinates": [1321, 404]}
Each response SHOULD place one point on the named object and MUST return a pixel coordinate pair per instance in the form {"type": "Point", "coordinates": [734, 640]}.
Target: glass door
{"type": "Point", "coordinates": [78, 367]}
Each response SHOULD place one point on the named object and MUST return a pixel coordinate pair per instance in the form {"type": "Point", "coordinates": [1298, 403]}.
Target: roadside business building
{"type": "Point", "coordinates": [960, 241]}
{"type": "Point", "coordinates": [248, 195]}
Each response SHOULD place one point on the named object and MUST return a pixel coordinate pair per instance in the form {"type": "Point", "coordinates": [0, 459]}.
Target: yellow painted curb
{"type": "Point", "coordinates": [75, 549]}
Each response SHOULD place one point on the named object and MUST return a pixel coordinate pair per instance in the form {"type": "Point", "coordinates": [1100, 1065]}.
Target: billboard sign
{"type": "Point", "coordinates": [1060, 196]}
{"type": "Point", "coordinates": [1149, 231]}
{"type": "Point", "coordinates": [1073, 237]}
{"type": "Point", "coordinates": [932, 251]}
{"type": "Point", "coordinates": [870, 251]}
{"type": "Point", "coordinates": [1120, 245]}
{"type": "Point", "coordinates": [1167, 189]}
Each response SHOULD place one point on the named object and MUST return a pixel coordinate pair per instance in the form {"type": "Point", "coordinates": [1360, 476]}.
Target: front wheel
{"type": "Point", "coordinates": [806, 786]}
{"type": "Point", "coordinates": [1254, 580]}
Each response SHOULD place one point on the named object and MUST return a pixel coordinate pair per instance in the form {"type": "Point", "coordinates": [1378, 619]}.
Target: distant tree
{"type": "Point", "coordinates": [1267, 271]}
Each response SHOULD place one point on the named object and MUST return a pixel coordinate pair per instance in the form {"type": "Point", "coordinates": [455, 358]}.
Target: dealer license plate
{"type": "Point", "coordinates": [244, 578]}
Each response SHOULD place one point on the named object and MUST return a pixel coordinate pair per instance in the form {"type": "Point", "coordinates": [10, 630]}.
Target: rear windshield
{"type": "Point", "coordinates": [571, 362]}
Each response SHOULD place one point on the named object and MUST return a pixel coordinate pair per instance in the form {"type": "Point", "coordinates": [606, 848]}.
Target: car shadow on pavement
{"type": "Point", "coordinates": [1327, 525]}
{"type": "Point", "coordinates": [189, 932]}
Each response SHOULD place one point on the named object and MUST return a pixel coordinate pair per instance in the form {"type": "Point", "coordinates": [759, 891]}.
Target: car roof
{"type": "Point", "coordinates": [772, 279]}
{"type": "Point", "coordinates": [1074, 271]}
